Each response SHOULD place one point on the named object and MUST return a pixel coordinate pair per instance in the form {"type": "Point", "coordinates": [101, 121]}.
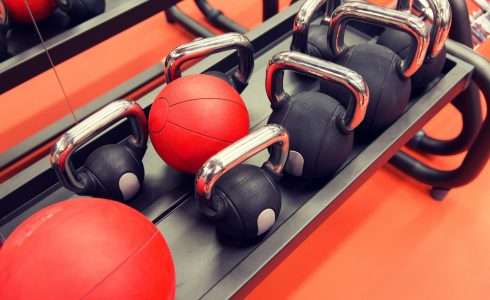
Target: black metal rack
{"type": "Point", "coordinates": [75, 40]}
{"type": "Point", "coordinates": [206, 267]}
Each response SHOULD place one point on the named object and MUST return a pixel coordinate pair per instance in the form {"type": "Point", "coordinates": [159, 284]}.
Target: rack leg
{"type": "Point", "coordinates": [175, 15]}
{"type": "Point", "coordinates": [439, 193]}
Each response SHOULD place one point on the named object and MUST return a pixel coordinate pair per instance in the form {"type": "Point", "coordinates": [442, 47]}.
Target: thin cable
{"type": "Point", "coordinates": [51, 62]}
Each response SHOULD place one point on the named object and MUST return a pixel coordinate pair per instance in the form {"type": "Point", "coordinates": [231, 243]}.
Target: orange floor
{"type": "Point", "coordinates": [388, 241]}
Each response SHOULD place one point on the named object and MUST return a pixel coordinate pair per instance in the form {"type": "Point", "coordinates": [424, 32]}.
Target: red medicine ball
{"type": "Point", "coordinates": [193, 118]}
{"type": "Point", "coordinates": [86, 249]}
{"type": "Point", "coordinates": [41, 9]}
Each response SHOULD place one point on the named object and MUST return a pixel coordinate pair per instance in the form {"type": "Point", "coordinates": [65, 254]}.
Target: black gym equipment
{"type": "Point", "coordinates": [387, 74]}
{"type": "Point", "coordinates": [310, 38]}
{"type": "Point", "coordinates": [113, 171]}
{"type": "Point", "coordinates": [72, 41]}
{"type": "Point", "coordinates": [217, 18]}
{"type": "Point", "coordinates": [468, 102]}
{"type": "Point", "coordinates": [439, 14]}
{"type": "Point", "coordinates": [321, 125]}
{"type": "Point", "coordinates": [81, 10]}
{"type": "Point", "coordinates": [443, 181]}
{"type": "Point", "coordinates": [167, 197]}
{"type": "Point", "coordinates": [176, 15]}
{"type": "Point", "coordinates": [213, 15]}
{"type": "Point", "coordinates": [69, 13]}
{"type": "Point", "coordinates": [242, 199]}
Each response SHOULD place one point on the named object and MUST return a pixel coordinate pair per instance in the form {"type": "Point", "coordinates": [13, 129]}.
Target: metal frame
{"type": "Point", "coordinates": [335, 192]}
{"type": "Point", "coordinates": [468, 103]}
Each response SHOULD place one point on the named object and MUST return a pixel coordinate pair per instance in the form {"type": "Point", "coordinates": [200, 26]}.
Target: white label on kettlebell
{"type": "Point", "coordinates": [266, 219]}
{"type": "Point", "coordinates": [295, 163]}
{"type": "Point", "coordinates": [129, 185]}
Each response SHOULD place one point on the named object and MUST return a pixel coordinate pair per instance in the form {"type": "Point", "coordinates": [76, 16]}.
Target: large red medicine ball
{"type": "Point", "coordinates": [193, 118]}
{"type": "Point", "coordinates": [86, 249]}
{"type": "Point", "coordinates": [41, 9]}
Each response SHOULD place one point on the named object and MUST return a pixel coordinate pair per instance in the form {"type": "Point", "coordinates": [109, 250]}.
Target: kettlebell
{"type": "Point", "coordinates": [244, 200]}
{"type": "Point", "coordinates": [201, 109]}
{"type": "Point", "coordinates": [113, 171]}
{"type": "Point", "coordinates": [81, 10]}
{"type": "Point", "coordinates": [320, 126]}
{"type": "Point", "coordinates": [312, 39]}
{"type": "Point", "coordinates": [387, 74]}
{"type": "Point", "coordinates": [203, 47]}
{"type": "Point", "coordinates": [438, 13]}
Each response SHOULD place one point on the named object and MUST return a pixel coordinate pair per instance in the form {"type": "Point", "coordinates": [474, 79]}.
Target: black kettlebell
{"type": "Point", "coordinates": [112, 171]}
{"type": "Point", "coordinates": [320, 127]}
{"type": "Point", "coordinates": [243, 200]}
{"type": "Point", "coordinates": [81, 10]}
{"type": "Point", "coordinates": [312, 39]}
{"type": "Point", "coordinates": [204, 47]}
{"type": "Point", "coordinates": [439, 12]}
{"type": "Point", "coordinates": [386, 74]}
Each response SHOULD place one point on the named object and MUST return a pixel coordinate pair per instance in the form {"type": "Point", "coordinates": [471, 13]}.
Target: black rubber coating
{"type": "Point", "coordinates": [404, 45]}
{"type": "Point", "coordinates": [389, 91]}
{"type": "Point", "coordinates": [106, 165]}
{"type": "Point", "coordinates": [311, 119]}
{"type": "Point", "coordinates": [318, 45]}
{"type": "Point", "coordinates": [239, 197]}
{"type": "Point", "coordinates": [83, 9]}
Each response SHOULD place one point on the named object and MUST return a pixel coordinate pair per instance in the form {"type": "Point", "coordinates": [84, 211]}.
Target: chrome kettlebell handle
{"type": "Point", "coordinates": [363, 12]}
{"type": "Point", "coordinates": [323, 70]}
{"type": "Point", "coordinates": [302, 22]}
{"type": "Point", "coordinates": [439, 13]}
{"type": "Point", "coordinates": [206, 46]}
{"type": "Point", "coordinates": [89, 128]}
{"type": "Point", "coordinates": [270, 135]}
{"type": "Point", "coordinates": [306, 15]}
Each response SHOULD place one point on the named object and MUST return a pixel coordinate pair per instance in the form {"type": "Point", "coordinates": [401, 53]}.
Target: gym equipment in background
{"type": "Point", "coordinates": [175, 15]}
{"type": "Point", "coordinates": [42, 9]}
{"type": "Point", "coordinates": [467, 103]}
{"type": "Point", "coordinates": [86, 248]}
{"type": "Point", "coordinates": [438, 13]}
{"type": "Point", "coordinates": [196, 116]}
{"type": "Point", "coordinates": [320, 125]}
{"type": "Point", "coordinates": [442, 181]}
{"type": "Point", "coordinates": [217, 18]}
{"type": "Point", "coordinates": [113, 171]}
{"type": "Point", "coordinates": [243, 200]}
{"type": "Point", "coordinates": [387, 74]}
{"type": "Point", "coordinates": [213, 16]}
{"type": "Point", "coordinates": [81, 10]}
{"type": "Point", "coordinates": [313, 39]}
{"type": "Point", "coordinates": [51, 16]}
